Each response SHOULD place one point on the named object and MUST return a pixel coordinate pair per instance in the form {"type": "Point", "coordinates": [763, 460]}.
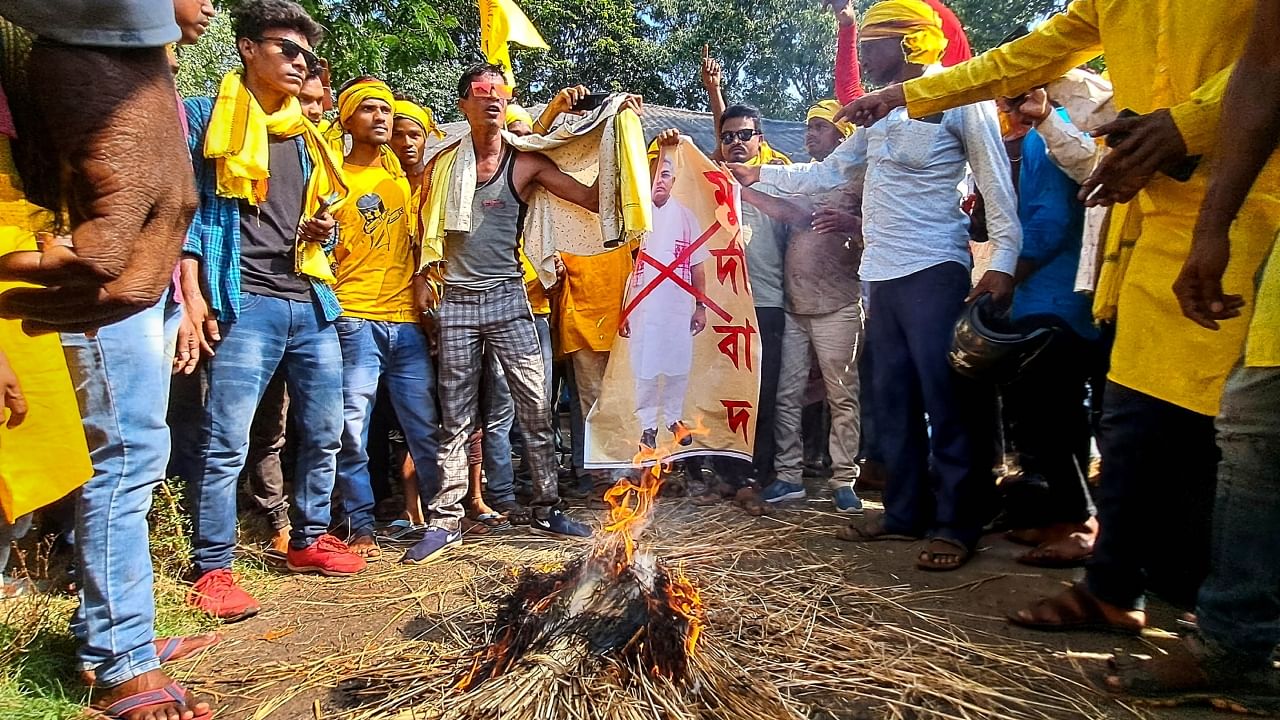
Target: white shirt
{"type": "Point", "coordinates": [911, 199]}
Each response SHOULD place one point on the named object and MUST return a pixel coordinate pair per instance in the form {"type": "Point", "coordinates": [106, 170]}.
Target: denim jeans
{"type": "Point", "coordinates": [1239, 606]}
{"type": "Point", "coordinates": [270, 334]}
{"type": "Point", "coordinates": [397, 352]}
{"type": "Point", "coordinates": [121, 376]}
{"type": "Point", "coordinates": [500, 419]}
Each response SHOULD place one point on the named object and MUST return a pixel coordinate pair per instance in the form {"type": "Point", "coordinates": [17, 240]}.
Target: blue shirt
{"type": "Point", "coordinates": [214, 235]}
{"type": "Point", "coordinates": [1052, 226]}
{"type": "Point", "coordinates": [911, 216]}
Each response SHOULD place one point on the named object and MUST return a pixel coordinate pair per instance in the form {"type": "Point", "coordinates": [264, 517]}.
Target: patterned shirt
{"type": "Point", "coordinates": [214, 235]}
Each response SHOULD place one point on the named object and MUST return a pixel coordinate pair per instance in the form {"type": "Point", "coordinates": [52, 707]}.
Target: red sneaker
{"type": "Point", "coordinates": [328, 556]}
{"type": "Point", "coordinates": [217, 594]}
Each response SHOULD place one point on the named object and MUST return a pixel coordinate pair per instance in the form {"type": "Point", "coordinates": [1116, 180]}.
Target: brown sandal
{"type": "Point", "coordinates": [1074, 609]}
{"type": "Point", "coordinates": [930, 557]}
{"type": "Point", "coordinates": [1069, 552]}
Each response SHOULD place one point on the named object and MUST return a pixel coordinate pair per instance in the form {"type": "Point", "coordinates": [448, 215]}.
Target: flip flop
{"type": "Point", "coordinates": [171, 693]}
{"type": "Point", "coordinates": [173, 649]}
{"type": "Point", "coordinates": [1049, 555]}
{"type": "Point", "coordinates": [495, 521]}
{"type": "Point", "coordinates": [400, 532]}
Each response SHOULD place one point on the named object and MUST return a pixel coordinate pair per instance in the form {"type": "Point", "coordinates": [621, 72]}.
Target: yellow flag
{"type": "Point", "coordinates": [503, 22]}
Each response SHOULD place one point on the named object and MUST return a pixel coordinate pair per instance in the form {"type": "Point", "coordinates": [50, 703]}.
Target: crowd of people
{"type": "Point", "coordinates": [956, 300]}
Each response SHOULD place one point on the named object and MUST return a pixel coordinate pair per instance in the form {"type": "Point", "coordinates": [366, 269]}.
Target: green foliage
{"type": "Point", "coordinates": [777, 54]}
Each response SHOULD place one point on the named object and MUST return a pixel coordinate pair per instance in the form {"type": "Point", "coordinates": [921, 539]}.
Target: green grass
{"type": "Point", "coordinates": [38, 678]}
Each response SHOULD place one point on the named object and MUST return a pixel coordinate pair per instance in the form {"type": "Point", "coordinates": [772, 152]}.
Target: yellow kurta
{"type": "Point", "coordinates": [46, 456]}
{"type": "Point", "coordinates": [1161, 54]}
{"type": "Point", "coordinates": [591, 301]}
{"type": "Point", "coordinates": [1263, 346]}
{"type": "Point", "coordinates": [539, 303]}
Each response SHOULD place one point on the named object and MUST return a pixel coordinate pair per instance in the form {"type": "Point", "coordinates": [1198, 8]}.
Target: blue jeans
{"type": "Point", "coordinates": [932, 487]}
{"type": "Point", "coordinates": [396, 351]}
{"type": "Point", "coordinates": [1239, 606]}
{"type": "Point", "coordinates": [270, 333]}
{"type": "Point", "coordinates": [499, 419]}
{"type": "Point", "coordinates": [121, 376]}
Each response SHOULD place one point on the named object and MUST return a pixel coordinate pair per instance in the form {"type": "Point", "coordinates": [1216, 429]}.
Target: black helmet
{"type": "Point", "coordinates": [986, 346]}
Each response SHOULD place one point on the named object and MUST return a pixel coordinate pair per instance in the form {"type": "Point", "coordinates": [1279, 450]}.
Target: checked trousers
{"type": "Point", "coordinates": [498, 318]}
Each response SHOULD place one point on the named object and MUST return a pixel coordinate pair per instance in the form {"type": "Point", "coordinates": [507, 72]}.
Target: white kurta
{"type": "Point", "coordinates": [661, 343]}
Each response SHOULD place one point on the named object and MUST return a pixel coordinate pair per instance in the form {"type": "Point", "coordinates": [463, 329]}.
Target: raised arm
{"type": "Point", "coordinates": [1066, 40]}
{"type": "Point", "coordinates": [536, 168]}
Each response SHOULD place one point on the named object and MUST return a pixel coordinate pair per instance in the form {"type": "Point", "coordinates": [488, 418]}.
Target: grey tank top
{"type": "Point", "coordinates": [489, 254]}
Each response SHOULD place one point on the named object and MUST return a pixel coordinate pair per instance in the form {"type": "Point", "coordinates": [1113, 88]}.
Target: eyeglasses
{"type": "Point", "coordinates": [743, 135]}
{"type": "Point", "coordinates": [291, 50]}
{"type": "Point", "coordinates": [500, 91]}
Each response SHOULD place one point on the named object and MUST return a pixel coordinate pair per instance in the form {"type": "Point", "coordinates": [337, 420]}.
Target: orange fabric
{"type": "Point", "coordinates": [591, 300]}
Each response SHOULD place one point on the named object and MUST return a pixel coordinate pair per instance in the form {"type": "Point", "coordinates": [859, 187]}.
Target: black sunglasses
{"type": "Point", "coordinates": [291, 50]}
{"type": "Point", "coordinates": [743, 135]}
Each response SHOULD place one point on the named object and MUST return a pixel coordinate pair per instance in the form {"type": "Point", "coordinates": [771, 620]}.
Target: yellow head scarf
{"type": "Point", "coordinates": [410, 110]}
{"type": "Point", "coordinates": [516, 113]}
{"type": "Point", "coordinates": [769, 156]}
{"type": "Point", "coordinates": [914, 21]}
{"type": "Point", "coordinates": [349, 101]}
{"type": "Point", "coordinates": [237, 141]}
{"type": "Point", "coordinates": [827, 109]}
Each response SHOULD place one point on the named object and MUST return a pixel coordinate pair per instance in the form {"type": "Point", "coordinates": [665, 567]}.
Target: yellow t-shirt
{"type": "Point", "coordinates": [374, 253]}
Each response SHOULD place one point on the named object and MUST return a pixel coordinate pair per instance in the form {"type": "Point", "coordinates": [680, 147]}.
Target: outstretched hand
{"type": "Point", "coordinates": [870, 108]}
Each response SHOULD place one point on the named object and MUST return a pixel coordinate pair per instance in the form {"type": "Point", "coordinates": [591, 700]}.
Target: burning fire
{"type": "Point", "coordinates": [613, 603]}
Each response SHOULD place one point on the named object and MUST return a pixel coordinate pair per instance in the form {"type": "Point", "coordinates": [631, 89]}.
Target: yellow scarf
{"type": "Point", "coordinates": [237, 140]}
{"type": "Point", "coordinates": [412, 111]}
{"type": "Point", "coordinates": [914, 21]}
{"type": "Point", "coordinates": [769, 156]}
{"type": "Point", "coordinates": [435, 193]}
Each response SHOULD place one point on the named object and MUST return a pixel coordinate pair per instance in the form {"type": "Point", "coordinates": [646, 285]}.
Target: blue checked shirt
{"type": "Point", "coordinates": [214, 235]}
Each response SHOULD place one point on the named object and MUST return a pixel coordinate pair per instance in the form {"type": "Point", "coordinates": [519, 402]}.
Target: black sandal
{"type": "Point", "coordinates": [516, 513]}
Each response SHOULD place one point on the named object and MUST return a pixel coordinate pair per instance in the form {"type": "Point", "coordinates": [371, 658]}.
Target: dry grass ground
{"type": "Point", "coordinates": [840, 631]}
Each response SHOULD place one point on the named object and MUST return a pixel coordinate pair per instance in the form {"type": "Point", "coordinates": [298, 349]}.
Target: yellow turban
{"type": "Point", "coordinates": [914, 21]}
{"type": "Point", "coordinates": [349, 100]}
{"type": "Point", "coordinates": [516, 113]}
{"type": "Point", "coordinates": [410, 110]}
{"type": "Point", "coordinates": [827, 109]}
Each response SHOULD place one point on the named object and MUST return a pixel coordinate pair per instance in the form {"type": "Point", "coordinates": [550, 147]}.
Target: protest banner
{"type": "Point", "coordinates": [684, 372]}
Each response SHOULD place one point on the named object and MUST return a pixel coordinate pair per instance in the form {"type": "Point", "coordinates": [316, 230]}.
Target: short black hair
{"type": "Point", "coordinates": [250, 18]}
{"type": "Point", "coordinates": [741, 111]}
{"type": "Point", "coordinates": [475, 71]}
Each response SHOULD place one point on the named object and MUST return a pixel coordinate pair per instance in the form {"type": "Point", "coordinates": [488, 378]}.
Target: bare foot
{"type": "Point", "coordinates": [477, 507]}
{"type": "Point", "coordinates": [365, 546]}
{"type": "Point", "coordinates": [186, 709]}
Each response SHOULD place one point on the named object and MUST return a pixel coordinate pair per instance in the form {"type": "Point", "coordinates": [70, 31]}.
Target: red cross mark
{"type": "Point", "coordinates": [668, 272]}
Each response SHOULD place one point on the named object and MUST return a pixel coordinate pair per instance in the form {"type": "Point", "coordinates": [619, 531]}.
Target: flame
{"type": "Point", "coordinates": [630, 504]}
{"type": "Point", "coordinates": [687, 603]}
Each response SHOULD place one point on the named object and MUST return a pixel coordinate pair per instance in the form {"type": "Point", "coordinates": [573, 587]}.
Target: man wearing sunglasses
{"type": "Point", "coordinates": [485, 302]}
{"type": "Point", "coordinates": [258, 246]}
{"type": "Point", "coordinates": [741, 141]}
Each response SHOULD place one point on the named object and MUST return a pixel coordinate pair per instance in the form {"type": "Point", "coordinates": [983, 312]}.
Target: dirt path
{"type": "Point", "coordinates": [326, 648]}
